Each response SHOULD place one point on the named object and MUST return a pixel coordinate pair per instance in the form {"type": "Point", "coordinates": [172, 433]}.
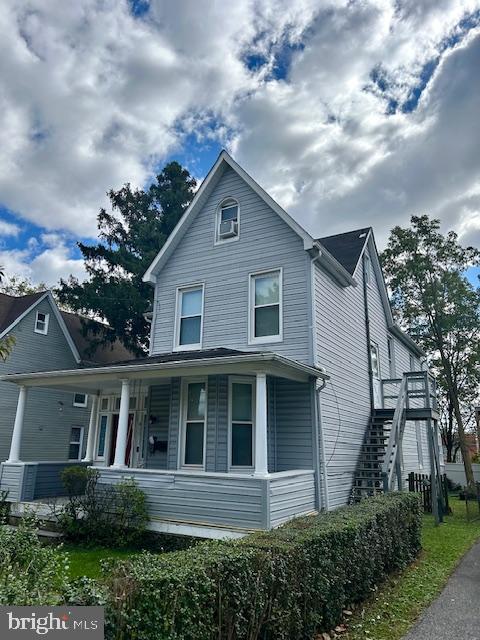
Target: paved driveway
{"type": "Point", "coordinates": [455, 614]}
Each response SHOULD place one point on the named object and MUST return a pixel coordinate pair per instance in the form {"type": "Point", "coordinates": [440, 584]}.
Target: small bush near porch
{"type": "Point", "coordinates": [288, 583]}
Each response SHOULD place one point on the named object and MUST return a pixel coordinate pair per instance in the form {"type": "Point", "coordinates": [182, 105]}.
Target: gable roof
{"type": "Point", "coordinates": [12, 307]}
{"type": "Point", "coordinates": [103, 354]}
{"type": "Point", "coordinates": [223, 162]}
{"type": "Point", "coordinates": [347, 248]}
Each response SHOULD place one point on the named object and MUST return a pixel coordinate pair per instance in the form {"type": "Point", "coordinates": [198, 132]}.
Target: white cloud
{"type": "Point", "coordinates": [91, 97]}
{"type": "Point", "coordinates": [46, 262]}
{"type": "Point", "coordinates": [9, 228]}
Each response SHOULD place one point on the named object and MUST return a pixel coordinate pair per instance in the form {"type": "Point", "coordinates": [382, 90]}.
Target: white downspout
{"type": "Point", "coordinates": [318, 422]}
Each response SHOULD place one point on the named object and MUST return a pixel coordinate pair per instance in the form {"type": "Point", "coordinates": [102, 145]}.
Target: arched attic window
{"type": "Point", "coordinates": [227, 221]}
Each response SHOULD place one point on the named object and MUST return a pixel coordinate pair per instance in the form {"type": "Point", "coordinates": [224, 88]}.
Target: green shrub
{"type": "Point", "coordinates": [30, 574]}
{"type": "Point", "coordinates": [98, 514]}
{"type": "Point", "coordinates": [287, 583]}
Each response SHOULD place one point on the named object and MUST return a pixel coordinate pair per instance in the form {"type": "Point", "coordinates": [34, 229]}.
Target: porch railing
{"type": "Point", "coordinates": [421, 391]}
{"type": "Point", "coordinates": [415, 390]}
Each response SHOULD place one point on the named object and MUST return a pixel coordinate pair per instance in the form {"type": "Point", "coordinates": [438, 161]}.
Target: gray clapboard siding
{"type": "Point", "coordinates": [291, 497]}
{"type": "Point", "coordinates": [11, 480]}
{"type": "Point", "coordinates": [48, 481]}
{"type": "Point", "coordinates": [293, 420]}
{"type": "Point", "coordinates": [27, 481]}
{"type": "Point", "coordinates": [49, 415]}
{"type": "Point", "coordinates": [244, 502]}
{"type": "Point", "coordinates": [345, 402]}
{"type": "Point", "coordinates": [159, 409]}
{"type": "Point", "coordinates": [173, 427]}
{"type": "Point", "coordinates": [198, 499]}
{"type": "Point", "coordinates": [266, 242]}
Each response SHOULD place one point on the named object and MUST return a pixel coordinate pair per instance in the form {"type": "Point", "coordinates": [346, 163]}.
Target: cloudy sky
{"type": "Point", "coordinates": [350, 113]}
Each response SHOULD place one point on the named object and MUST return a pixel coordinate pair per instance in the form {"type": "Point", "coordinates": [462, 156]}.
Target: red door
{"type": "Point", "coordinates": [113, 439]}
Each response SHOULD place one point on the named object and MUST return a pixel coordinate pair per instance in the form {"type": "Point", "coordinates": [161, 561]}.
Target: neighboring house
{"type": "Point", "coordinates": [275, 370]}
{"type": "Point", "coordinates": [56, 422]}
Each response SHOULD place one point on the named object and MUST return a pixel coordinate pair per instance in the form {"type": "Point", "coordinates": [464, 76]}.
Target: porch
{"type": "Point", "coordinates": [220, 444]}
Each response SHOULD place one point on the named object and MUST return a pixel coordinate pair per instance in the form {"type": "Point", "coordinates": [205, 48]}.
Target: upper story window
{"type": "Point", "coordinates": [41, 323]}
{"type": "Point", "coordinates": [412, 363]}
{"type": "Point", "coordinates": [228, 221]}
{"type": "Point", "coordinates": [265, 312]}
{"type": "Point", "coordinates": [80, 399]}
{"type": "Point", "coordinates": [189, 318]}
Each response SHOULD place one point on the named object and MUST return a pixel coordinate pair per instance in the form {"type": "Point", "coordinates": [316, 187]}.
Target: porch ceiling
{"type": "Point", "coordinates": [214, 361]}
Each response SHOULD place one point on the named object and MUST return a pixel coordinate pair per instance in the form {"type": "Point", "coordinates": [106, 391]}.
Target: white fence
{"type": "Point", "coordinates": [456, 473]}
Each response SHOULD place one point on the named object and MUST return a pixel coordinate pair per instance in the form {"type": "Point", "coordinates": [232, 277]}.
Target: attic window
{"type": "Point", "coordinates": [227, 224]}
{"type": "Point", "coordinates": [41, 323]}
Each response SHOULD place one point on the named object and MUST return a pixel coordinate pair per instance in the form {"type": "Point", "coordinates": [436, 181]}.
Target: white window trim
{"type": "Point", "coordinates": [47, 322]}
{"type": "Point", "coordinates": [251, 308]}
{"type": "Point", "coordinates": [80, 404]}
{"type": "Point", "coordinates": [176, 340]}
{"type": "Point", "coordinates": [183, 424]}
{"type": "Point", "coordinates": [376, 347]}
{"type": "Point", "coordinates": [80, 443]}
{"type": "Point", "coordinates": [242, 380]}
{"type": "Point", "coordinates": [217, 239]}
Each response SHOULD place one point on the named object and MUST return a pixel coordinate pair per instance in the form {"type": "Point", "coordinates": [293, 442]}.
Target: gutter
{"type": "Point", "coordinates": [176, 364]}
{"type": "Point", "coordinates": [332, 265]}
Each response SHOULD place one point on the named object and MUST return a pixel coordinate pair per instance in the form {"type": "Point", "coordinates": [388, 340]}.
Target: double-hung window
{"type": "Point", "coordinates": [265, 313]}
{"type": "Point", "coordinates": [189, 318]}
{"type": "Point", "coordinates": [241, 423]}
{"type": "Point", "coordinates": [41, 322]}
{"type": "Point", "coordinates": [194, 412]}
{"type": "Point", "coordinates": [76, 442]}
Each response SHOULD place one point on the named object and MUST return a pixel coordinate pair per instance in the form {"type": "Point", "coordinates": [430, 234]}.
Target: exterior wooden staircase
{"type": "Point", "coordinates": [413, 397]}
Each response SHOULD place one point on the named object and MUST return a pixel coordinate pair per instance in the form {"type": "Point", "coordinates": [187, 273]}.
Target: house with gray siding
{"type": "Point", "coordinates": [277, 383]}
{"type": "Point", "coordinates": [56, 421]}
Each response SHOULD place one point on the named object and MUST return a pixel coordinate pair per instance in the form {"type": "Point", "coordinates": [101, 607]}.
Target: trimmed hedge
{"type": "Point", "coordinates": [288, 583]}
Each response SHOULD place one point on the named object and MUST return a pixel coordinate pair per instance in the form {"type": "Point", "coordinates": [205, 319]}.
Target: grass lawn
{"type": "Point", "coordinates": [393, 609]}
{"type": "Point", "coordinates": [85, 561]}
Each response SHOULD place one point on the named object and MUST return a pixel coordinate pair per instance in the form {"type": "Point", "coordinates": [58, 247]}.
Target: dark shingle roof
{"type": "Point", "coordinates": [103, 354]}
{"type": "Point", "coordinates": [12, 307]}
{"type": "Point", "coordinates": [181, 356]}
{"type": "Point", "coordinates": [346, 248]}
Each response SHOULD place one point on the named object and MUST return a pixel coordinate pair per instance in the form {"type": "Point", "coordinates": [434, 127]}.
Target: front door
{"type": "Point", "coordinates": [113, 439]}
{"type": "Point", "coordinates": [376, 382]}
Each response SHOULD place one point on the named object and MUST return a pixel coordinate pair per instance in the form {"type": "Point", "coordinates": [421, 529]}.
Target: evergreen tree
{"type": "Point", "coordinates": [130, 238]}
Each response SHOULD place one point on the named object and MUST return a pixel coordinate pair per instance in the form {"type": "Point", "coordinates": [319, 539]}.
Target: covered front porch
{"type": "Point", "coordinates": [221, 442]}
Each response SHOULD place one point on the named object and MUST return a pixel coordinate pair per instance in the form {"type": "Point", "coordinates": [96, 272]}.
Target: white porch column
{"type": "Point", "coordinates": [18, 426]}
{"type": "Point", "coordinates": [261, 447]}
{"type": "Point", "coordinates": [122, 432]}
{"type": "Point", "coordinates": [92, 431]}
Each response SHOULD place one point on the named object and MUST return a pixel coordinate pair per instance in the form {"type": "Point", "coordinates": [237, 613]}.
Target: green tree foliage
{"type": "Point", "coordinates": [19, 286]}
{"type": "Point", "coordinates": [130, 238]}
{"type": "Point", "coordinates": [7, 343]}
{"type": "Point", "coordinates": [437, 304]}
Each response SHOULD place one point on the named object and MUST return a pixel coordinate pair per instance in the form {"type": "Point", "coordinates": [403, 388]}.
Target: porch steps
{"type": "Point", "coordinates": [368, 476]}
{"type": "Point", "coordinates": [44, 535]}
